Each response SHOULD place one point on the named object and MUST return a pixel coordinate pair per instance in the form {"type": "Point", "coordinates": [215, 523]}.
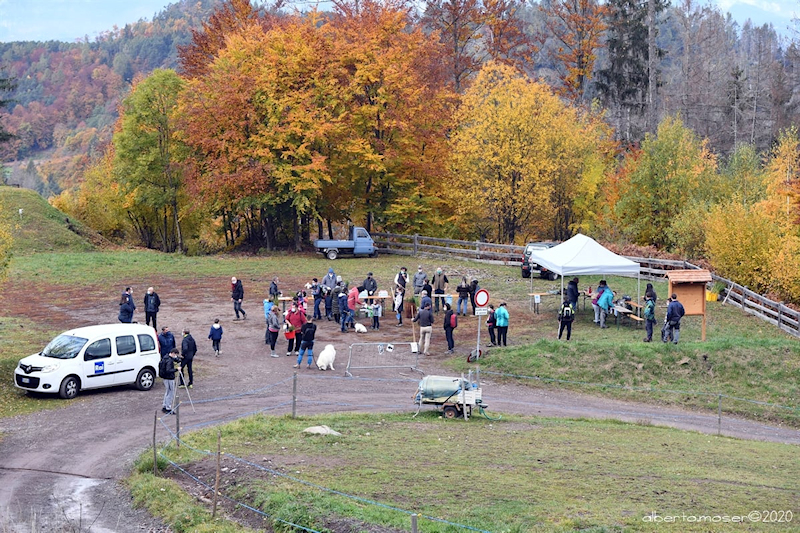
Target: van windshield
{"type": "Point", "coordinates": [64, 347]}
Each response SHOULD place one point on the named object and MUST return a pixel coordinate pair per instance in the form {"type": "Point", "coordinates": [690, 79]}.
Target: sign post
{"type": "Point", "coordinates": [481, 301]}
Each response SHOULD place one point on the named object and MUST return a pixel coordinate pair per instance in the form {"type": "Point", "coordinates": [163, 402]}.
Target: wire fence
{"type": "Point", "coordinates": [268, 394]}
{"type": "Point", "coordinates": [174, 437]}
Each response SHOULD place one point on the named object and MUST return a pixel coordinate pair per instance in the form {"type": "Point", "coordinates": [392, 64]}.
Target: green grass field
{"type": "Point", "coordinates": [516, 475]}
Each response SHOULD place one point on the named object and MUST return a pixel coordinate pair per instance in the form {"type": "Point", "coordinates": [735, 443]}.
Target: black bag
{"type": "Point", "coordinates": [162, 367]}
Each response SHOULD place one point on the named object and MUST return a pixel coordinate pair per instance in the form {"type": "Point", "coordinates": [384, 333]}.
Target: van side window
{"type": "Point", "coordinates": [147, 343]}
{"type": "Point", "coordinates": [362, 234]}
{"type": "Point", "coordinates": [126, 345]}
{"type": "Point", "coordinates": [98, 350]}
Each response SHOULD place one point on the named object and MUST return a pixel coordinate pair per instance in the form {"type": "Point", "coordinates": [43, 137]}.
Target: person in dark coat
{"type": "Point", "coordinates": [237, 295]}
{"type": "Point", "coordinates": [672, 326]}
{"type": "Point", "coordinates": [274, 293]}
{"type": "Point", "coordinates": [370, 285]}
{"type": "Point", "coordinates": [448, 328]}
{"type": "Point", "coordinates": [166, 369]}
{"type": "Point", "coordinates": [126, 307]}
{"type": "Point", "coordinates": [572, 295]}
{"type": "Point", "coordinates": [188, 349]}
{"type": "Point", "coordinates": [473, 288]}
{"type": "Point", "coordinates": [166, 341]}
{"type": "Point", "coordinates": [151, 304]}
{"type": "Point", "coordinates": [306, 336]}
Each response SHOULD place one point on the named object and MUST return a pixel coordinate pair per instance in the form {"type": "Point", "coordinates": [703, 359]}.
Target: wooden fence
{"type": "Point", "coordinates": [775, 313]}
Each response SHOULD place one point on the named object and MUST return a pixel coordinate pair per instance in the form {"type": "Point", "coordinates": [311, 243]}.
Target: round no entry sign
{"type": "Point", "coordinates": [482, 298]}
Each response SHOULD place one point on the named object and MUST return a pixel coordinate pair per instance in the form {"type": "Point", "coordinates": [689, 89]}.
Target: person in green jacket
{"type": "Point", "coordinates": [649, 316]}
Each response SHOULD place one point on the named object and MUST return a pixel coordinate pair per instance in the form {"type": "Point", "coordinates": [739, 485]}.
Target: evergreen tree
{"type": "Point", "coordinates": [623, 83]}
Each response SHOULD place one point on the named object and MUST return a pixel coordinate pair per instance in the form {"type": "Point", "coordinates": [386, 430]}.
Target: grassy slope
{"type": "Point", "coordinates": [517, 474]}
{"type": "Point", "coordinates": [41, 228]}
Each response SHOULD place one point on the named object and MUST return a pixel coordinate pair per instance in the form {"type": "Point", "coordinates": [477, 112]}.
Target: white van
{"type": "Point", "coordinates": [92, 357]}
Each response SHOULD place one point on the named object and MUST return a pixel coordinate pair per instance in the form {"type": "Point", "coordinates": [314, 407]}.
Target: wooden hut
{"type": "Point", "coordinates": [690, 288]}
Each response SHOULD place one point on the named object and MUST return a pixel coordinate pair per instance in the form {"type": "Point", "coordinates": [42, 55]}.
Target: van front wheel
{"type": "Point", "coordinates": [69, 388]}
{"type": "Point", "coordinates": [332, 254]}
{"type": "Point", "coordinates": [145, 379]}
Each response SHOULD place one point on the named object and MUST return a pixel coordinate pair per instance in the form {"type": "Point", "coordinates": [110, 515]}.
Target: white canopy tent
{"type": "Point", "coordinates": [583, 255]}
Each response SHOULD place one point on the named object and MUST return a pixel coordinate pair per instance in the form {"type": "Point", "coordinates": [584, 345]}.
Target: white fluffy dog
{"type": "Point", "coordinates": [326, 358]}
{"type": "Point", "coordinates": [361, 328]}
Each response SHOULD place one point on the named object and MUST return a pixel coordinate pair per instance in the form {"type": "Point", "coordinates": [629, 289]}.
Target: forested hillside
{"type": "Point", "coordinates": [67, 95]}
{"type": "Point", "coordinates": [635, 122]}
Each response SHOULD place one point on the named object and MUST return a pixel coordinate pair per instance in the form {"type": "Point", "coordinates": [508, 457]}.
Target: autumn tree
{"type": "Point", "coordinates": [668, 178]}
{"type": "Point", "coordinates": [522, 161]}
{"type": "Point", "coordinates": [577, 26]}
{"type": "Point", "coordinates": [394, 113]}
{"type": "Point", "coordinates": [229, 18]}
{"type": "Point", "coordinates": [475, 31]}
{"type": "Point", "coordinates": [149, 156]}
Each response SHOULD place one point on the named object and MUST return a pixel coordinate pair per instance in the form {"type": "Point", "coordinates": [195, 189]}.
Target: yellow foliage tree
{"type": "Point", "coordinates": [780, 177]}
{"type": "Point", "coordinates": [740, 241]}
{"type": "Point", "coordinates": [524, 164]}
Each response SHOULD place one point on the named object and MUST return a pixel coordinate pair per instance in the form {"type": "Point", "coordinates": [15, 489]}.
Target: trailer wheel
{"type": "Point", "coordinates": [332, 254]}
{"type": "Point", "coordinates": [450, 411]}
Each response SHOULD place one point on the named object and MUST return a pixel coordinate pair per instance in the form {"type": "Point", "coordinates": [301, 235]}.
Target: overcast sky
{"type": "Point", "coordinates": [70, 20]}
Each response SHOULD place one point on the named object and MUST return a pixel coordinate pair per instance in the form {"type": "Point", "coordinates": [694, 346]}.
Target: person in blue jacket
{"type": "Point", "coordinates": [606, 303]}
{"type": "Point", "coordinates": [166, 341]}
{"type": "Point", "coordinates": [215, 334]}
{"type": "Point", "coordinates": [501, 324]}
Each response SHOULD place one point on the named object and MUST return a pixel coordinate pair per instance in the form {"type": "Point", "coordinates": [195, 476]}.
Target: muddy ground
{"type": "Point", "coordinates": [62, 469]}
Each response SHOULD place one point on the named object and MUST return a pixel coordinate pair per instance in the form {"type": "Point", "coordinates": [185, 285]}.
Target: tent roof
{"type": "Point", "coordinates": [583, 255]}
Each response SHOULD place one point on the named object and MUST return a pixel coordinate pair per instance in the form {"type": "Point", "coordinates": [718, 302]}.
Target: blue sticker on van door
{"type": "Point", "coordinates": [99, 367]}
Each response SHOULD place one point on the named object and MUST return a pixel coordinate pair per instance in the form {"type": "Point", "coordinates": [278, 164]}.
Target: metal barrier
{"type": "Point", "coordinates": [380, 355]}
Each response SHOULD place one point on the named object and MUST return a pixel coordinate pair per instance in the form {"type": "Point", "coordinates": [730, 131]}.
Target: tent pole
{"type": "Point", "coordinates": [639, 285]}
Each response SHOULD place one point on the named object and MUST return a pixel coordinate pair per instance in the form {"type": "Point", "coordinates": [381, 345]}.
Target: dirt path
{"type": "Point", "coordinates": [67, 464]}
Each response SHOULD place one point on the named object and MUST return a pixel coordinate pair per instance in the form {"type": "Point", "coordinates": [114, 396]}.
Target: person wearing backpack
{"type": "Point", "coordinates": [566, 315]}
{"type": "Point", "coordinates": [166, 371]}
{"type": "Point", "coordinates": [450, 323]}
{"type": "Point", "coordinates": [649, 315]}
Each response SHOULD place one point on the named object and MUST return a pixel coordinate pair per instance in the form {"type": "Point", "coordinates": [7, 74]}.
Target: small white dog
{"type": "Point", "coordinates": [326, 358]}
{"type": "Point", "coordinates": [361, 328]}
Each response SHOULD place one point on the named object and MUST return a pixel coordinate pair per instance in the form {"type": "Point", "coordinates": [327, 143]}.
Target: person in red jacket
{"type": "Point", "coordinates": [353, 303]}
{"type": "Point", "coordinates": [295, 318]}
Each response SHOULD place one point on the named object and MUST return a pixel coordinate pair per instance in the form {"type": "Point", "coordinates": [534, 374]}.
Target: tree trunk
{"type": "Point", "coordinates": [319, 228]}
{"type": "Point", "coordinates": [330, 229]}
{"type": "Point", "coordinates": [296, 227]}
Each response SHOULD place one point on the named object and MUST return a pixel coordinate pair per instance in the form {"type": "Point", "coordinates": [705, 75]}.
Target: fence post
{"type": "Point", "coordinates": [719, 414]}
{"type": "Point", "coordinates": [414, 523]}
{"type": "Point", "coordinates": [155, 453]}
{"type": "Point", "coordinates": [216, 482]}
{"type": "Point", "coordinates": [744, 296]}
{"type": "Point", "coordinates": [416, 243]}
{"type": "Point", "coordinates": [780, 313]}
{"type": "Point", "coordinates": [178, 425]}
{"type": "Point", "coordinates": [294, 394]}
